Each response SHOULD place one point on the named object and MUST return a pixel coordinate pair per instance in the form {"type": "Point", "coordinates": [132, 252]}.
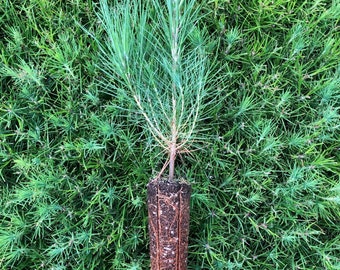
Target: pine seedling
{"type": "Point", "coordinates": [155, 57]}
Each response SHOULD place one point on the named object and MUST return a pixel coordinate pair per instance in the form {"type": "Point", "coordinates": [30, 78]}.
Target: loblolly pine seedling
{"type": "Point", "coordinates": [155, 57]}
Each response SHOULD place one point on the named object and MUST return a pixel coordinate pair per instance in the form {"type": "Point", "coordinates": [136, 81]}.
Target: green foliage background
{"type": "Point", "coordinates": [73, 168]}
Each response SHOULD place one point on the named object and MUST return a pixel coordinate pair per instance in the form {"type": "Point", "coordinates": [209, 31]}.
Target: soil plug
{"type": "Point", "coordinates": [168, 208]}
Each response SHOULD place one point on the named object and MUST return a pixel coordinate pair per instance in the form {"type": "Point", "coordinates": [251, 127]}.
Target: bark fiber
{"type": "Point", "coordinates": [168, 211]}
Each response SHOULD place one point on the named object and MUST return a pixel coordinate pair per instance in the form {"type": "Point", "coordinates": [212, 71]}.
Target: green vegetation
{"type": "Point", "coordinates": [157, 59]}
{"type": "Point", "coordinates": [74, 167]}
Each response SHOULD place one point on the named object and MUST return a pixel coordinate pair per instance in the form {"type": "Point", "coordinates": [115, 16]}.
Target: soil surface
{"type": "Point", "coordinates": [168, 208]}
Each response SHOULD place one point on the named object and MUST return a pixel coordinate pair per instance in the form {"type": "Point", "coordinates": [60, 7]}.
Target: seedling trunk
{"type": "Point", "coordinates": [168, 210]}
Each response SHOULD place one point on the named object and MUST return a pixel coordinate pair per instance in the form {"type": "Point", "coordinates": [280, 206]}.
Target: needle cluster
{"type": "Point", "coordinates": [156, 57]}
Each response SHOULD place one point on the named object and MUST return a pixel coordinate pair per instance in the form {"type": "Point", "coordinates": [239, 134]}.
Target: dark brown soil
{"type": "Point", "coordinates": [168, 207]}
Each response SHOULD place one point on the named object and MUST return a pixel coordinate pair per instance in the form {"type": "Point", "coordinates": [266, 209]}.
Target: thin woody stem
{"type": "Point", "coordinates": [172, 162]}
{"type": "Point", "coordinates": [173, 151]}
{"type": "Point", "coordinates": [173, 143]}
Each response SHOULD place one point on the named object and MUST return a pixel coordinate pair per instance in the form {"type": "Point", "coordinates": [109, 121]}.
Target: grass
{"type": "Point", "coordinates": [73, 168]}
